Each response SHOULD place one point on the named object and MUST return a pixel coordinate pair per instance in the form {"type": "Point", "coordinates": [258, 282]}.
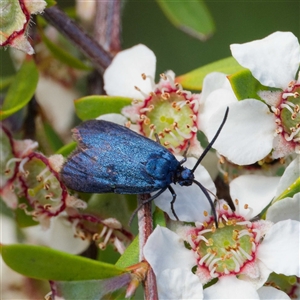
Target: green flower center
{"type": "Point", "coordinates": [288, 114]}
{"type": "Point", "coordinates": [227, 249]}
{"type": "Point", "coordinates": [171, 114]}
{"type": "Point", "coordinates": [42, 186]}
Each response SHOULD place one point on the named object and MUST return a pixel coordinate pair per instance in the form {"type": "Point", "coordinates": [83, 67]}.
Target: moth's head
{"type": "Point", "coordinates": [185, 176]}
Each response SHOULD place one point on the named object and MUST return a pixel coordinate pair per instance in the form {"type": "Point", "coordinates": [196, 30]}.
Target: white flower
{"type": "Point", "coordinates": [254, 128]}
{"type": "Point", "coordinates": [240, 253]}
{"type": "Point", "coordinates": [163, 109]}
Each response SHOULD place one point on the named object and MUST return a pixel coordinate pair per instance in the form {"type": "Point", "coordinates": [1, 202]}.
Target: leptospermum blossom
{"type": "Point", "coordinates": [15, 18]}
{"type": "Point", "coordinates": [163, 109]}
{"type": "Point", "coordinates": [254, 128]}
{"type": "Point", "coordinates": [240, 253]}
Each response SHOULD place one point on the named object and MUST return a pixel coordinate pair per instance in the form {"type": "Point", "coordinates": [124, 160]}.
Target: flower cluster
{"type": "Point", "coordinates": [256, 129]}
{"type": "Point", "coordinates": [254, 242]}
{"type": "Point", "coordinates": [241, 253]}
{"type": "Point", "coordinates": [34, 179]}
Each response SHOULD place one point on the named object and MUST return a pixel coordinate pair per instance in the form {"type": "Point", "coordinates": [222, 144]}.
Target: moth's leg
{"type": "Point", "coordinates": [173, 201]}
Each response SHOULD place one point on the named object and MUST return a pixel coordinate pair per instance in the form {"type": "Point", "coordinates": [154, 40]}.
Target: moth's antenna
{"type": "Point", "coordinates": [204, 190]}
{"type": "Point", "coordinates": [212, 141]}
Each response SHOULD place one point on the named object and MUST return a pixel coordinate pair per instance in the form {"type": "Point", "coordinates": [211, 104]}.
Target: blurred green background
{"type": "Point", "coordinates": [236, 22]}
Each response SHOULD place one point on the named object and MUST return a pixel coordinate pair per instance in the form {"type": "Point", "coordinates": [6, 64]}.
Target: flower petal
{"type": "Point", "coordinates": [269, 292]}
{"type": "Point", "coordinates": [59, 236]}
{"type": "Point", "coordinates": [178, 284]}
{"type": "Point", "coordinates": [288, 208]}
{"type": "Point", "coordinates": [115, 118]}
{"type": "Point", "coordinates": [229, 287]}
{"type": "Point", "coordinates": [290, 175]}
{"type": "Point", "coordinates": [191, 202]}
{"type": "Point", "coordinates": [217, 94]}
{"type": "Point", "coordinates": [124, 73]}
{"type": "Point", "coordinates": [242, 140]}
{"type": "Point", "coordinates": [273, 61]}
{"type": "Point", "coordinates": [256, 191]}
{"type": "Point", "coordinates": [165, 250]}
{"type": "Point", "coordinates": [279, 250]}
{"type": "Point", "coordinates": [263, 274]}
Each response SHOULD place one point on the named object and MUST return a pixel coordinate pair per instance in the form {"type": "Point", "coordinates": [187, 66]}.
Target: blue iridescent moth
{"type": "Point", "coordinates": [111, 158]}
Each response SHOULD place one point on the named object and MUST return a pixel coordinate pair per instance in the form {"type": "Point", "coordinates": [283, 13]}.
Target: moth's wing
{"type": "Point", "coordinates": [113, 158]}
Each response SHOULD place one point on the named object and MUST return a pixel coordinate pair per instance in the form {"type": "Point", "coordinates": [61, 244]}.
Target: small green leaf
{"type": "Point", "coordinates": [130, 256]}
{"type": "Point", "coordinates": [64, 56]}
{"type": "Point", "coordinates": [67, 149]}
{"type": "Point", "coordinates": [245, 86]}
{"type": "Point", "coordinates": [194, 79]}
{"type": "Point", "coordinates": [5, 82]}
{"type": "Point", "coordinates": [90, 289]}
{"type": "Point", "coordinates": [45, 263]}
{"type": "Point", "coordinates": [50, 3]}
{"type": "Point", "coordinates": [54, 141]}
{"type": "Point", "coordinates": [159, 217]}
{"type": "Point", "coordinates": [293, 189]}
{"type": "Point", "coordinates": [21, 89]}
{"type": "Point", "coordinates": [91, 107]}
{"type": "Point", "coordinates": [192, 17]}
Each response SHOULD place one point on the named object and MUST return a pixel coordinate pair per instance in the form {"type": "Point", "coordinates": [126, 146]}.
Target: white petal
{"type": "Point", "coordinates": [124, 73]}
{"type": "Point", "coordinates": [248, 133]}
{"type": "Point", "coordinates": [217, 94]}
{"type": "Point", "coordinates": [263, 275]}
{"type": "Point", "coordinates": [269, 292]}
{"type": "Point", "coordinates": [288, 208]}
{"type": "Point", "coordinates": [49, 95]}
{"type": "Point", "coordinates": [255, 190]}
{"type": "Point", "coordinates": [59, 236]}
{"type": "Point", "coordinates": [279, 250]}
{"type": "Point", "coordinates": [273, 61]}
{"type": "Point", "coordinates": [290, 175]}
{"type": "Point", "coordinates": [190, 203]}
{"type": "Point", "coordinates": [178, 284]}
{"type": "Point", "coordinates": [229, 287]}
{"type": "Point", "coordinates": [8, 230]}
{"type": "Point", "coordinates": [115, 118]}
{"type": "Point", "coordinates": [214, 81]}
{"type": "Point", "coordinates": [164, 249]}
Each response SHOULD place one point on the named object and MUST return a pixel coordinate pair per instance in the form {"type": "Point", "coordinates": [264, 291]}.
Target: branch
{"type": "Point", "coordinates": [100, 58]}
{"type": "Point", "coordinates": [145, 229]}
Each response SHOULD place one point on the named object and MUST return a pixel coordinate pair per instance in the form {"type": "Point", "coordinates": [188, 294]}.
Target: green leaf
{"type": "Point", "coordinates": [130, 256]}
{"type": "Point", "coordinates": [245, 86]}
{"type": "Point", "coordinates": [159, 217]}
{"type": "Point", "coordinates": [5, 82]}
{"type": "Point", "coordinates": [90, 289]}
{"type": "Point", "coordinates": [21, 89]}
{"type": "Point", "coordinates": [293, 189]}
{"type": "Point", "coordinates": [45, 263]}
{"type": "Point", "coordinates": [192, 17]}
{"type": "Point", "coordinates": [91, 107]}
{"type": "Point", "coordinates": [54, 141]}
{"type": "Point", "coordinates": [194, 79]}
{"type": "Point", "coordinates": [64, 56]}
{"type": "Point", "coordinates": [50, 3]}
{"type": "Point", "coordinates": [67, 149]}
